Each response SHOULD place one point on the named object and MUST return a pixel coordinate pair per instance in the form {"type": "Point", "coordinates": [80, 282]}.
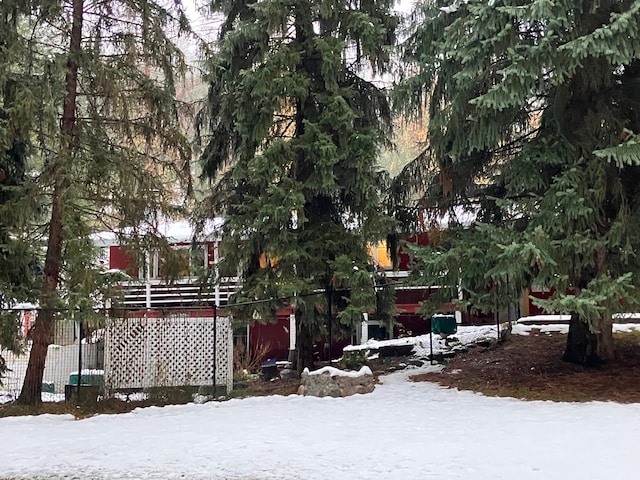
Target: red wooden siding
{"type": "Point", "coordinates": [120, 259]}
{"type": "Point", "coordinates": [404, 259]}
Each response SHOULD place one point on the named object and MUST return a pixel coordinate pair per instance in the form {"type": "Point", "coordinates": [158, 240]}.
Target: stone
{"type": "Point", "coordinates": [288, 373]}
{"type": "Point", "coordinates": [200, 399]}
{"type": "Point", "coordinates": [331, 382]}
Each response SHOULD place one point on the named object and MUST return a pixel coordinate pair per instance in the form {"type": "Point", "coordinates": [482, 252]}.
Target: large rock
{"type": "Point", "coordinates": [332, 382]}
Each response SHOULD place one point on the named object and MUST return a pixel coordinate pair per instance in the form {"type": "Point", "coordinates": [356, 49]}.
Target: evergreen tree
{"type": "Point", "coordinates": [533, 112]}
{"type": "Point", "coordinates": [107, 133]}
{"type": "Point", "coordinates": [295, 129]}
{"type": "Point", "coordinates": [17, 113]}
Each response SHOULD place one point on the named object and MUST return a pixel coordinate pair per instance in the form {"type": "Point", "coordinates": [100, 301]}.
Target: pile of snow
{"type": "Point", "coordinates": [422, 344]}
{"type": "Point", "coordinates": [87, 372]}
{"type": "Point", "coordinates": [548, 328]}
{"type": "Point", "coordinates": [336, 372]}
{"type": "Point", "coordinates": [467, 335]}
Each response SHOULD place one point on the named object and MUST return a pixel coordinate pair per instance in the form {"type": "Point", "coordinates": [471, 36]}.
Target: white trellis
{"type": "Point", "coordinates": [170, 351]}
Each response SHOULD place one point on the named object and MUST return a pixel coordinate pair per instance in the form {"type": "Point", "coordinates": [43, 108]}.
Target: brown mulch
{"type": "Point", "coordinates": [531, 367]}
{"type": "Point", "coordinates": [260, 387]}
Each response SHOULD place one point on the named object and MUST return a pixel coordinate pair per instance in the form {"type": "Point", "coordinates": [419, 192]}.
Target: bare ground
{"type": "Point", "coordinates": [531, 367]}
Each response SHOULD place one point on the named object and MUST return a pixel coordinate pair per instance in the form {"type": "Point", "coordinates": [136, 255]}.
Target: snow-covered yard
{"type": "Point", "coordinates": [403, 430]}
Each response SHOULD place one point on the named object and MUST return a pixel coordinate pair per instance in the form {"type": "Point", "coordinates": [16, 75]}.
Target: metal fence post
{"type": "Point", "coordinates": [431, 339]}
{"type": "Point", "coordinates": [79, 361]}
{"type": "Point", "coordinates": [215, 346]}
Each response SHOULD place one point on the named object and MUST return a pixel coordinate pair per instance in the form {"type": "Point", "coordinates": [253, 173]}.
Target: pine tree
{"type": "Point", "coordinates": [295, 130]}
{"type": "Point", "coordinates": [532, 120]}
{"type": "Point", "coordinates": [107, 134]}
{"type": "Point", "coordinates": [17, 257]}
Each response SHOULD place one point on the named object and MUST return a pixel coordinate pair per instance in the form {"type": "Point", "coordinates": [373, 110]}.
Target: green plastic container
{"type": "Point", "coordinates": [91, 377]}
{"type": "Point", "coordinates": [444, 324]}
{"type": "Point", "coordinates": [49, 387]}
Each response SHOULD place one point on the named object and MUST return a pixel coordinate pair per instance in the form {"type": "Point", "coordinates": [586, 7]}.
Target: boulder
{"type": "Point", "coordinates": [332, 382]}
{"type": "Point", "coordinates": [288, 374]}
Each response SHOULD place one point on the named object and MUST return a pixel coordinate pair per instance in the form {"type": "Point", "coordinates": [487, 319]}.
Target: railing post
{"type": "Point", "coordinates": [364, 328]}
{"type": "Point", "coordinates": [148, 282]}
{"type": "Point", "coordinates": [216, 267]}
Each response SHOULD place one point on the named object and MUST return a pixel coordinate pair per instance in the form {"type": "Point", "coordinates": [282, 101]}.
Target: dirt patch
{"type": "Point", "coordinates": [260, 387]}
{"type": "Point", "coordinates": [79, 411]}
{"type": "Point", "coordinates": [531, 367]}
{"type": "Point", "coordinates": [251, 388]}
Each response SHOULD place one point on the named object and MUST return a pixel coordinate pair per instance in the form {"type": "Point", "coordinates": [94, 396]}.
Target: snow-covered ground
{"type": "Point", "coordinates": [465, 335]}
{"type": "Point", "coordinates": [403, 430]}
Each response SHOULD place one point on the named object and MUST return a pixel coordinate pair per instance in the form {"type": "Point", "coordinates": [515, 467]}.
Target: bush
{"type": "Point", "coordinates": [249, 362]}
{"type": "Point", "coordinates": [354, 360]}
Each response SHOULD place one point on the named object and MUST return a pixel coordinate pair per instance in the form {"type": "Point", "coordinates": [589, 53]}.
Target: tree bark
{"type": "Point", "coordinates": [31, 392]}
{"type": "Point", "coordinates": [588, 348]}
{"type": "Point", "coordinates": [40, 334]}
{"type": "Point", "coordinates": [304, 344]}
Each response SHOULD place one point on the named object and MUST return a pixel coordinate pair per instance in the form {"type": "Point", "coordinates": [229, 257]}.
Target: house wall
{"type": "Point", "coordinates": [121, 260]}
{"type": "Point", "coordinates": [410, 325]}
{"type": "Point", "coordinates": [276, 335]}
{"type": "Point", "coordinates": [272, 337]}
{"type": "Point", "coordinates": [404, 259]}
{"type": "Point", "coordinates": [542, 294]}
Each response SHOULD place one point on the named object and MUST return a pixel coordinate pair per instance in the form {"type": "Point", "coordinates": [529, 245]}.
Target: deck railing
{"type": "Point", "coordinates": [188, 291]}
{"type": "Point", "coordinates": [185, 292]}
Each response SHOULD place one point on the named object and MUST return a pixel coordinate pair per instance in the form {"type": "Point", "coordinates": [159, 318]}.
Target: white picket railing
{"type": "Point", "coordinates": [185, 292]}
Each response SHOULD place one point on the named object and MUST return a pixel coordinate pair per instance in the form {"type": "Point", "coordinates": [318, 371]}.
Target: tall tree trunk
{"type": "Point", "coordinates": [589, 348]}
{"type": "Point", "coordinates": [304, 344]}
{"type": "Point", "coordinates": [41, 334]}
{"type": "Point", "coordinates": [586, 347]}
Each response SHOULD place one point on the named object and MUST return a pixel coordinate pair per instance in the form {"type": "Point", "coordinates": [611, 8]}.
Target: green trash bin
{"type": "Point", "coordinates": [49, 387]}
{"type": "Point", "coordinates": [444, 324]}
{"type": "Point", "coordinates": [89, 378]}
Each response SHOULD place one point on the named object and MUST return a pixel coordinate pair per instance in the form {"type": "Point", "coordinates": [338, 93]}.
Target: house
{"type": "Point", "coordinates": [147, 288]}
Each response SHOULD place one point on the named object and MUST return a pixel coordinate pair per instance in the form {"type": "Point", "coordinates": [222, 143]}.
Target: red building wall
{"type": "Point", "coordinates": [404, 259]}
{"type": "Point", "coordinates": [273, 336]}
{"type": "Point", "coordinates": [120, 259]}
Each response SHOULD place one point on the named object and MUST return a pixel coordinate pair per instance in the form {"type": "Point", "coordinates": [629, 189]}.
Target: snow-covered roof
{"type": "Point", "coordinates": [463, 215]}
{"type": "Point", "coordinates": [175, 231]}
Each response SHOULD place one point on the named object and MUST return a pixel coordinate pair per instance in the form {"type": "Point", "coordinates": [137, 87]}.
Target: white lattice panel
{"type": "Point", "coordinates": [176, 350]}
